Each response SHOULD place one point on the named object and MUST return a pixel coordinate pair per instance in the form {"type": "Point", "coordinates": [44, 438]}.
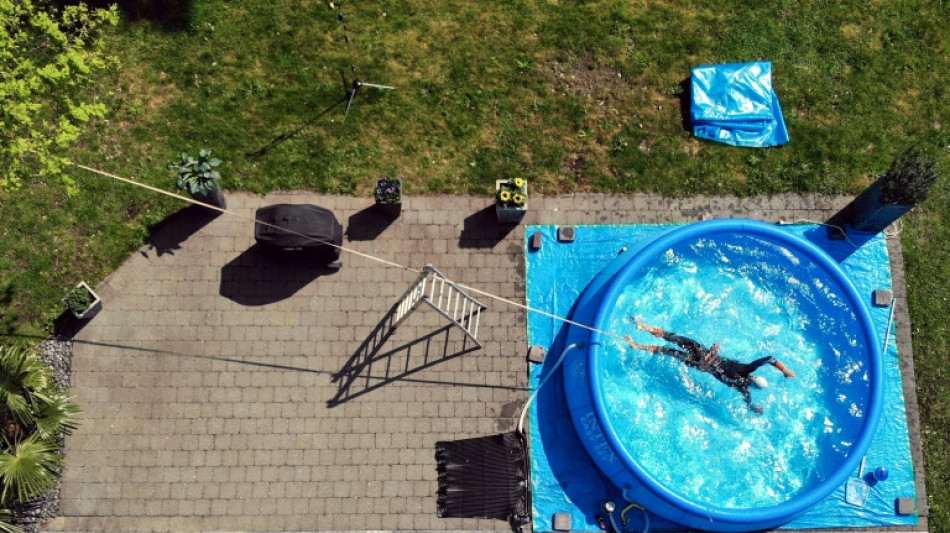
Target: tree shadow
{"type": "Point", "coordinates": [256, 278]}
{"type": "Point", "coordinates": [482, 230]}
{"type": "Point", "coordinates": [368, 224]}
{"type": "Point", "coordinates": [370, 368]}
{"type": "Point", "coordinates": [166, 237]}
{"type": "Point", "coordinates": [169, 15]}
{"type": "Point", "coordinates": [8, 314]}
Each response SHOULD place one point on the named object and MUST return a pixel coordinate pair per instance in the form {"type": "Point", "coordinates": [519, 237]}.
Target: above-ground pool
{"type": "Point", "coordinates": [686, 446]}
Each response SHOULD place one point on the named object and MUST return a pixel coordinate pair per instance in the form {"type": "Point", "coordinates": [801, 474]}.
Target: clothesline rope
{"type": "Point", "coordinates": [386, 262]}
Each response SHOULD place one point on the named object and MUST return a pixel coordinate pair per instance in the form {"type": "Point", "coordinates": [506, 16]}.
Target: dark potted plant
{"type": "Point", "coordinates": [905, 185]}
{"type": "Point", "coordinates": [388, 195]}
{"type": "Point", "coordinates": [511, 200]}
{"type": "Point", "coordinates": [198, 176]}
{"type": "Point", "coordinates": [82, 302]}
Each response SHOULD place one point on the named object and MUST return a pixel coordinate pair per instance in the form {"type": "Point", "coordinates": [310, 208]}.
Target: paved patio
{"type": "Point", "coordinates": [210, 380]}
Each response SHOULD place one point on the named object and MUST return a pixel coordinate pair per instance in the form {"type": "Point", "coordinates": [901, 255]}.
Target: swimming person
{"type": "Point", "coordinates": [733, 373]}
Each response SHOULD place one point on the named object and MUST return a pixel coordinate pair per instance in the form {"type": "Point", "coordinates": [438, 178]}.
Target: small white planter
{"type": "Point", "coordinates": [92, 309]}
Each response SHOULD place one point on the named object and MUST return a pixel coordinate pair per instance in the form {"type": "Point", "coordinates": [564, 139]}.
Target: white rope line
{"type": "Point", "coordinates": [342, 248]}
{"type": "Point", "coordinates": [232, 213]}
{"type": "Point", "coordinates": [539, 311]}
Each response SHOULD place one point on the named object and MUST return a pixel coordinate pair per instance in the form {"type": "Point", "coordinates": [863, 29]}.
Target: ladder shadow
{"type": "Point", "coordinates": [370, 367]}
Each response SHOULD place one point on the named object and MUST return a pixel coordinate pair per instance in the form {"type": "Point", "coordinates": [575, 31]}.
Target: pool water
{"type": "Point", "coordinates": [690, 431]}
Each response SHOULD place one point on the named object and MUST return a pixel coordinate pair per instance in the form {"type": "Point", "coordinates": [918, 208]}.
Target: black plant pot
{"type": "Point", "coordinates": [213, 197]}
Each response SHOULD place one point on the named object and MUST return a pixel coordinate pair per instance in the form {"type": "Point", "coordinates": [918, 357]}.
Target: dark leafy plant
{"type": "Point", "coordinates": [197, 175]}
{"type": "Point", "coordinates": [78, 299]}
{"type": "Point", "coordinates": [909, 179]}
{"type": "Point", "coordinates": [388, 190]}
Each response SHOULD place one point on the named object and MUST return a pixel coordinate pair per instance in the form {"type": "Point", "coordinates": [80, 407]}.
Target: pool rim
{"type": "Point", "coordinates": [801, 501]}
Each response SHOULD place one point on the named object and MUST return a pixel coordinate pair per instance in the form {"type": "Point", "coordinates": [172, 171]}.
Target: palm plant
{"type": "Point", "coordinates": [23, 380]}
{"type": "Point", "coordinates": [56, 416]}
{"type": "Point", "coordinates": [28, 469]}
{"type": "Point", "coordinates": [36, 414]}
{"type": "Point", "coordinates": [6, 517]}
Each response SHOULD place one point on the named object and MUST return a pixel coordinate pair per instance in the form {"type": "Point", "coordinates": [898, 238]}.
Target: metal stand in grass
{"type": "Point", "coordinates": [356, 84]}
{"type": "Point", "coordinates": [351, 89]}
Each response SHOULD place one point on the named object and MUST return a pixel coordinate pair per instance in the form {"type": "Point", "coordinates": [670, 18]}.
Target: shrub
{"type": "Point", "coordinates": [78, 299]}
{"type": "Point", "coordinates": [909, 179]}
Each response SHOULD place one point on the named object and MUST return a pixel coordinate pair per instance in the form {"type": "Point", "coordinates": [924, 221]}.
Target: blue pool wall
{"type": "Point", "coordinates": [565, 479]}
{"type": "Point", "coordinates": [588, 409]}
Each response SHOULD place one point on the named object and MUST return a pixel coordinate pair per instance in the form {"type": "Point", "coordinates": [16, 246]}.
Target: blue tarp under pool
{"type": "Point", "coordinates": [565, 480]}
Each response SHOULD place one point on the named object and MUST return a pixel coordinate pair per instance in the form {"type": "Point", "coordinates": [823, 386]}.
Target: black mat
{"type": "Point", "coordinates": [484, 477]}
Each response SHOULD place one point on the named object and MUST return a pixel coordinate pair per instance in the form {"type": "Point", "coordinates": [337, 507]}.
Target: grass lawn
{"type": "Point", "coordinates": [573, 95]}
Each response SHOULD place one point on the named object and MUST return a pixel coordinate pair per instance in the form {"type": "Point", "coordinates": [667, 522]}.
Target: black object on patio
{"type": "Point", "coordinates": [484, 477]}
{"type": "Point", "coordinates": [300, 230]}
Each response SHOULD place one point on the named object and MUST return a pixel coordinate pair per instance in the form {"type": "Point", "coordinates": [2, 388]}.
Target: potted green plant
{"type": "Point", "coordinates": [905, 185]}
{"type": "Point", "coordinates": [388, 195]}
{"type": "Point", "coordinates": [82, 301]}
{"type": "Point", "coordinates": [197, 176]}
{"type": "Point", "coordinates": [511, 200]}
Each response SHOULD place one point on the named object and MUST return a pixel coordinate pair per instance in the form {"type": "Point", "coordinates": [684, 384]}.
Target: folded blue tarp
{"type": "Point", "coordinates": [735, 104]}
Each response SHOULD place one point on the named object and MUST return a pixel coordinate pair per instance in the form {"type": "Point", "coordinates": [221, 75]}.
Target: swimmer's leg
{"type": "Point", "coordinates": [748, 400]}
{"type": "Point", "coordinates": [684, 342]}
{"type": "Point", "coordinates": [653, 349]}
{"type": "Point", "coordinates": [652, 330]}
{"type": "Point", "coordinates": [785, 370]}
{"type": "Point", "coordinates": [754, 365]}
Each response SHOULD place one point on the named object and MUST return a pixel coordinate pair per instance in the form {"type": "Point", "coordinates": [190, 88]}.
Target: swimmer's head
{"type": "Point", "coordinates": [759, 382]}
